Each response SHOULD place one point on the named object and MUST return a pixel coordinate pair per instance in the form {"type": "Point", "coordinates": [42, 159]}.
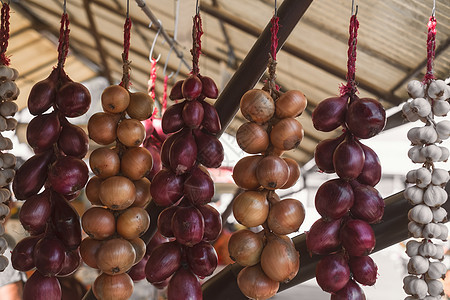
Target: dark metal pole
{"type": "Point", "coordinates": [391, 230]}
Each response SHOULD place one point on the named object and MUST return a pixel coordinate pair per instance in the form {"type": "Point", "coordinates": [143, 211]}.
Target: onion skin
{"type": "Point", "coordinates": [22, 255]}
{"type": "Point", "coordinates": [364, 269]}
{"type": "Point", "coordinates": [165, 150]}
{"type": "Point", "coordinates": [245, 247]}
{"type": "Point", "coordinates": [166, 188]}
{"type": "Point", "coordinates": [357, 237]}
{"type": "Point", "coordinates": [165, 221]}
{"type": "Point", "coordinates": [137, 272]}
{"type": "Point", "coordinates": [143, 196]}
{"type": "Point", "coordinates": [188, 226]}
{"type": "Point", "coordinates": [115, 256]}
{"type": "Point", "coordinates": [371, 173]}
{"type": "Point", "coordinates": [72, 261]}
{"type": "Point", "coordinates": [172, 120]}
{"type": "Point", "coordinates": [211, 121]}
{"type": "Point", "coordinates": [191, 87]}
{"type": "Point", "coordinates": [73, 99]}
{"type": "Point", "coordinates": [136, 162]}
{"type": "Point", "coordinates": [244, 172]}
{"type": "Point", "coordinates": [199, 187]}
{"type": "Point", "coordinates": [31, 176]}
{"type": "Point", "coordinates": [133, 223]}
{"type": "Point", "coordinates": [193, 114]}
{"type": "Point", "coordinates": [164, 260]}
{"type": "Point", "coordinates": [98, 222]}
{"type": "Point", "coordinates": [209, 87]}
{"type": "Point", "coordinates": [202, 259]}
{"type": "Point", "coordinates": [104, 162]}
{"type": "Point", "coordinates": [365, 118]}
{"type": "Point", "coordinates": [68, 175]}
{"type": "Point", "coordinates": [43, 94]}
{"type": "Point", "coordinates": [323, 237]}
{"type": "Point", "coordinates": [117, 192]}
{"type": "Point", "coordinates": [330, 113]}
{"type": "Point", "coordinates": [252, 138]}
{"type": "Point", "coordinates": [66, 222]}
{"type": "Point", "coordinates": [49, 256]}
{"type": "Point", "coordinates": [290, 104]}
{"type": "Point", "coordinates": [131, 132]}
{"type": "Point", "coordinates": [34, 213]}
{"type": "Point", "coordinates": [140, 106]}
{"type": "Point", "coordinates": [272, 172]}
{"type": "Point", "coordinates": [251, 208]}
{"type": "Point", "coordinates": [294, 172]}
{"type": "Point", "coordinates": [117, 287]}
{"type": "Point", "coordinates": [40, 287]}
{"type": "Point", "coordinates": [323, 154]}
{"type": "Point", "coordinates": [115, 99]}
{"type": "Point", "coordinates": [102, 127]}
{"type": "Point", "coordinates": [332, 273]}
{"type": "Point", "coordinates": [351, 291]}
{"type": "Point", "coordinates": [257, 105]}
{"type": "Point", "coordinates": [210, 151]}
{"type": "Point", "coordinates": [213, 222]}
{"type": "Point", "coordinates": [368, 205]}
{"type": "Point", "coordinates": [175, 92]}
{"type": "Point", "coordinates": [73, 141]}
{"type": "Point", "coordinates": [286, 216]}
{"type": "Point", "coordinates": [43, 131]}
{"type": "Point", "coordinates": [254, 284]}
{"type": "Point", "coordinates": [183, 153]}
{"type": "Point", "coordinates": [287, 134]}
{"type": "Point", "coordinates": [184, 285]}
{"type": "Point", "coordinates": [334, 198]}
{"type": "Point", "coordinates": [348, 159]}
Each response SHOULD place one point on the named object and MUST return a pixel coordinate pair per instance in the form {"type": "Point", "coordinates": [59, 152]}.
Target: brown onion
{"type": "Point", "coordinates": [244, 172]}
{"type": "Point", "coordinates": [251, 208]}
{"type": "Point", "coordinates": [272, 172]}
{"type": "Point", "coordinates": [92, 190]}
{"type": "Point", "coordinates": [115, 99]}
{"type": "Point", "coordinates": [117, 192]}
{"type": "Point", "coordinates": [254, 284]}
{"type": "Point", "coordinates": [140, 107]}
{"type": "Point", "coordinates": [104, 162]}
{"type": "Point", "coordinates": [115, 256]}
{"type": "Point", "coordinates": [133, 223]}
{"type": "Point", "coordinates": [286, 134]}
{"type": "Point", "coordinates": [294, 172]}
{"type": "Point", "coordinates": [286, 216]}
{"type": "Point", "coordinates": [117, 287]}
{"type": "Point", "coordinates": [245, 247]}
{"type": "Point", "coordinates": [88, 250]}
{"type": "Point", "coordinates": [143, 195]}
{"type": "Point", "coordinates": [257, 106]}
{"type": "Point", "coordinates": [139, 247]}
{"type": "Point", "coordinates": [279, 259]}
{"type": "Point", "coordinates": [136, 162]}
{"type": "Point", "coordinates": [290, 104]}
{"type": "Point", "coordinates": [102, 127]}
{"type": "Point", "coordinates": [131, 132]}
{"type": "Point", "coordinates": [98, 222]}
{"type": "Point", "coordinates": [252, 138]}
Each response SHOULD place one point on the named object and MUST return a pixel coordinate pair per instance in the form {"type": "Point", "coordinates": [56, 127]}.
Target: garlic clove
{"type": "Point", "coordinates": [423, 177]}
{"type": "Point", "coordinates": [411, 176]}
{"type": "Point", "coordinates": [412, 248]}
{"type": "Point", "coordinates": [418, 265]}
{"type": "Point", "coordinates": [440, 177]}
{"type": "Point", "coordinates": [415, 229]}
{"type": "Point", "coordinates": [444, 232]}
{"type": "Point", "coordinates": [436, 270]}
{"type": "Point", "coordinates": [416, 155]}
{"type": "Point", "coordinates": [439, 252]}
{"type": "Point", "coordinates": [415, 89]}
{"type": "Point", "coordinates": [407, 282]}
{"type": "Point", "coordinates": [8, 108]}
{"type": "Point", "coordinates": [436, 89]}
{"type": "Point", "coordinates": [418, 287]}
{"type": "Point", "coordinates": [15, 74]}
{"type": "Point", "coordinates": [5, 194]}
{"type": "Point", "coordinates": [441, 108]}
{"type": "Point", "coordinates": [439, 215]}
{"type": "Point", "coordinates": [11, 124]}
{"type": "Point", "coordinates": [9, 160]}
{"type": "Point", "coordinates": [431, 230]}
{"type": "Point", "coordinates": [432, 153]}
{"type": "Point", "coordinates": [427, 249]}
{"type": "Point", "coordinates": [435, 287]}
{"type": "Point", "coordinates": [6, 73]}
{"type": "Point", "coordinates": [420, 106]}
{"type": "Point", "coordinates": [443, 129]}
{"type": "Point", "coordinates": [445, 154]}
{"type": "Point", "coordinates": [427, 134]}
{"type": "Point", "coordinates": [8, 90]}
{"type": "Point", "coordinates": [4, 211]}
{"type": "Point", "coordinates": [434, 196]}
{"type": "Point", "coordinates": [2, 229]}
{"type": "Point", "coordinates": [413, 136]}
{"type": "Point", "coordinates": [420, 214]}
{"type": "Point", "coordinates": [414, 195]}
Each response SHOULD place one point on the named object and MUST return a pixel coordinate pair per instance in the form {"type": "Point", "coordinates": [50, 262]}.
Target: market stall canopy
{"type": "Point", "coordinates": [391, 46]}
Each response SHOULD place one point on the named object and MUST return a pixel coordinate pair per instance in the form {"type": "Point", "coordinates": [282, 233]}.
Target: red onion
{"type": "Point", "coordinates": [166, 188]}
{"type": "Point", "coordinates": [209, 87]}
{"type": "Point", "coordinates": [357, 237]}
{"type": "Point", "coordinates": [364, 269]}
{"type": "Point", "coordinates": [323, 237]}
{"type": "Point", "coordinates": [31, 176]}
{"type": "Point", "coordinates": [43, 131]}
{"type": "Point", "coordinates": [365, 117]}
{"type": "Point", "coordinates": [73, 141]}
{"type": "Point", "coordinates": [40, 287]}
{"type": "Point", "coordinates": [34, 213]}
{"type": "Point", "coordinates": [68, 175]}
{"type": "Point", "coordinates": [202, 259]}
{"type": "Point", "coordinates": [371, 173]}
{"type": "Point", "coordinates": [213, 222]}
{"type": "Point", "coordinates": [43, 94]}
{"type": "Point", "coordinates": [163, 262]}
{"type": "Point", "coordinates": [330, 113]}
{"type": "Point", "coordinates": [193, 114]}
{"type": "Point", "coordinates": [165, 221]}
{"type": "Point", "coordinates": [351, 291]}
{"type": "Point", "coordinates": [199, 187]}
{"type": "Point", "coordinates": [188, 226]}
{"type": "Point", "coordinates": [210, 150]}
{"type": "Point", "coordinates": [158, 132]}
{"type": "Point", "coordinates": [183, 152]}
{"type": "Point", "coordinates": [22, 255]}
{"type": "Point", "coordinates": [332, 273]}
{"type": "Point", "coordinates": [49, 254]}
{"type": "Point", "coordinates": [137, 272]}
{"type": "Point", "coordinates": [72, 261]}
{"type": "Point", "coordinates": [66, 222]}
{"type": "Point", "coordinates": [175, 92]}
{"type": "Point", "coordinates": [156, 240]}
{"type": "Point", "coordinates": [348, 159]}
{"type": "Point", "coordinates": [73, 99]}
{"type": "Point", "coordinates": [192, 87]}
{"type": "Point", "coordinates": [184, 285]}
{"type": "Point", "coordinates": [323, 154]}
{"type": "Point", "coordinates": [172, 120]}
{"type": "Point", "coordinates": [334, 198]}
{"type": "Point", "coordinates": [165, 149]}
{"type": "Point", "coordinates": [211, 122]}
{"type": "Point", "coordinates": [368, 205]}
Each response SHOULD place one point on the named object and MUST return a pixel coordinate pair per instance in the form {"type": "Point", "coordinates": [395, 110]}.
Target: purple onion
{"type": "Point", "coordinates": [49, 255]}
{"type": "Point", "coordinates": [172, 120]}
{"type": "Point", "coordinates": [164, 260]}
{"type": "Point", "coordinates": [199, 187]}
{"type": "Point", "coordinates": [334, 198]}
{"type": "Point", "coordinates": [66, 222]}
{"type": "Point", "coordinates": [68, 174]}
{"type": "Point", "coordinates": [43, 131]}
{"type": "Point", "coordinates": [184, 285]}
{"type": "Point", "coordinates": [188, 226]}
{"type": "Point", "coordinates": [364, 269]}
{"type": "Point", "coordinates": [40, 287]}
{"type": "Point", "coordinates": [323, 237]}
{"type": "Point", "coordinates": [166, 188]}
{"type": "Point", "coordinates": [202, 259]}
{"type": "Point", "coordinates": [34, 213]}
{"type": "Point", "coordinates": [193, 114]}
{"type": "Point", "coordinates": [332, 273]}
{"type": "Point", "coordinates": [357, 237]}
{"type": "Point", "coordinates": [368, 205]}
{"type": "Point", "coordinates": [183, 153]}
{"type": "Point", "coordinates": [211, 121]}
{"type": "Point", "coordinates": [209, 149]}
{"type": "Point", "coordinates": [22, 255]}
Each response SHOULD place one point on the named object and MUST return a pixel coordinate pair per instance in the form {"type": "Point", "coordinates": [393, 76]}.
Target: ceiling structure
{"type": "Point", "coordinates": [391, 46]}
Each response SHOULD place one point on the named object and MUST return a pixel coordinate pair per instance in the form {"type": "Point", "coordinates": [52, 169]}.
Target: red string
{"type": "Point", "coordinates": [164, 98]}
{"type": "Point", "coordinates": [431, 48]}
{"type": "Point", "coordinates": [350, 88]}
{"type": "Point", "coordinates": [152, 79]}
{"type": "Point", "coordinates": [274, 37]}
{"type": "Point", "coordinates": [4, 33]}
{"type": "Point", "coordinates": [197, 43]}
{"type": "Point", "coordinates": [126, 37]}
{"type": "Point", "coordinates": [63, 43]}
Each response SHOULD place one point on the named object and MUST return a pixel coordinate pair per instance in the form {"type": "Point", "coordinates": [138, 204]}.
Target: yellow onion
{"type": "Point", "coordinates": [252, 138]}
{"type": "Point", "coordinates": [133, 223]}
{"type": "Point", "coordinates": [257, 106]}
{"type": "Point", "coordinates": [244, 172]}
{"type": "Point", "coordinates": [102, 127]}
{"type": "Point", "coordinates": [131, 132]}
{"type": "Point", "coordinates": [286, 216]}
{"type": "Point", "coordinates": [98, 222]}
{"type": "Point", "coordinates": [104, 162]}
{"type": "Point", "coordinates": [117, 287]}
{"type": "Point", "coordinates": [115, 256]}
{"type": "Point", "coordinates": [143, 195]}
{"type": "Point", "coordinates": [245, 247]}
{"type": "Point", "coordinates": [272, 172]}
{"type": "Point", "coordinates": [117, 192]}
{"type": "Point", "coordinates": [290, 104]}
{"type": "Point", "coordinates": [251, 208]}
{"type": "Point", "coordinates": [294, 172]}
{"type": "Point", "coordinates": [286, 134]}
{"type": "Point", "coordinates": [136, 163]}
{"type": "Point", "coordinates": [140, 107]}
{"type": "Point", "coordinates": [115, 99]}
{"type": "Point", "coordinates": [254, 284]}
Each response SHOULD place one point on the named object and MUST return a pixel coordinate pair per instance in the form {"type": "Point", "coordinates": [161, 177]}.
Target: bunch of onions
{"type": "Point", "coordinates": [8, 94]}
{"type": "Point", "coordinates": [119, 191]}
{"type": "Point", "coordinates": [59, 146]}
{"type": "Point", "coordinates": [426, 190]}
{"type": "Point", "coordinates": [272, 129]}
{"type": "Point", "coordinates": [185, 187]}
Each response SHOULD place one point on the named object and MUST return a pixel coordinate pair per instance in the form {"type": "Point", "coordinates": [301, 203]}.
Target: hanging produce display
{"type": "Point", "coordinates": [8, 94]}
{"type": "Point", "coordinates": [269, 256]}
{"type": "Point", "coordinates": [119, 191]}
{"type": "Point", "coordinates": [429, 99]}
{"type": "Point", "coordinates": [53, 223]}
{"type": "Point", "coordinates": [184, 185]}
{"type": "Point", "coordinates": [349, 203]}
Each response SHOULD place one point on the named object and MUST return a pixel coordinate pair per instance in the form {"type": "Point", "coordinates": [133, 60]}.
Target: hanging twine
{"type": "Point", "coordinates": [274, 37]}
{"type": "Point", "coordinates": [196, 50]}
{"type": "Point", "coordinates": [431, 49]}
{"type": "Point", "coordinates": [126, 49]}
{"type": "Point", "coordinates": [4, 33]}
{"type": "Point", "coordinates": [164, 98]}
{"type": "Point", "coordinates": [63, 43]}
{"type": "Point", "coordinates": [270, 84]}
{"type": "Point", "coordinates": [351, 88]}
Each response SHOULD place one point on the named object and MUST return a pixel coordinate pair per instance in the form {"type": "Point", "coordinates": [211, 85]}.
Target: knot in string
{"type": "Point", "coordinates": [4, 34]}
{"type": "Point", "coordinates": [196, 50]}
{"type": "Point", "coordinates": [350, 88]}
{"type": "Point", "coordinates": [126, 49]}
{"type": "Point", "coordinates": [63, 42]}
{"type": "Point", "coordinates": [274, 37]}
{"type": "Point", "coordinates": [431, 49]}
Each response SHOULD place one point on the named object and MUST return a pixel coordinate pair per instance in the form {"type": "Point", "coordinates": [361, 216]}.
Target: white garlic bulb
{"type": "Point", "coordinates": [2, 229]}
{"type": "Point", "coordinates": [406, 282]}
{"type": "Point", "coordinates": [3, 245]}
{"type": "Point", "coordinates": [432, 153]}
{"type": "Point", "coordinates": [415, 89]}
{"type": "Point", "coordinates": [436, 89]}
{"type": "Point", "coordinates": [434, 196]}
{"type": "Point", "coordinates": [431, 298]}
{"type": "Point", "coordinates": [427, 249]}
{"type": "Point", "coordinates": [418, 265]}
{"type": "Point", "coordinates": [413, 136]}
{"type": "Point", "coordinates": [418, 287]}
{"type": "Point", "coordinates": [436, 270]}
{"type": "Point", "coordinates": [439, 252]}
{"type": "Point", "coordinates": [420, 106]}
{"type": "Point", "coordinates": [8, 108]}
{"type": "Point", "coordinates": [443, 129]}
{"type": "Point", "coordinates": [445, 154]}
{"type": "Point", "coordinates": [444, 232]}
{"type": "Point", "coordinates": [415, 229]}
{"type": "Point", "coordinates": [420, 214]}
{"type": "Point", "coordinates": [439, 215]}
{"type": "Point", "coordinates": [412, 248]}
{"type": "Point", "coordinates": [441, 108]}
{"type": "Point", "coordinates": [431, 230]}
{"type": "Point", "coordinates": [3, 263]}
{"type": "Point", "coordinates": [416, 155]}
{"type": "Point", "coordinates": [4, 210]}
{"type": "Point", "coordinates": [413, 194]}
{"type": "Point", "coordinates": [423, 177]}
{"type": "Point", "coordinates": [435, 287]}
{"type": "Point", "coordinates": [8, 90]}
{"type": "Point", "coordinates": [408, 113]}
{"type": "Point", "coordinates": [5, 194]}
{"type": "Point", "coordinates": [411, 176]}
{"type": "Point", "coordinates": [427, 134]}
{"type": "Point", "coordinates": [440, 177]}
